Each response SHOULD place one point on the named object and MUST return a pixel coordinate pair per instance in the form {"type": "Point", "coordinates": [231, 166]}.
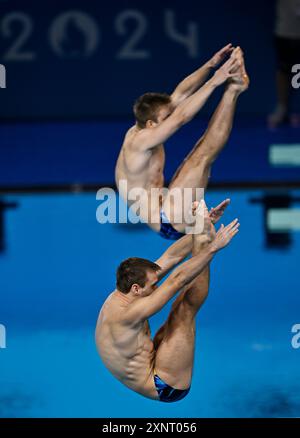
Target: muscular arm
{"type": "Point", "coordinates": [192, 82]}
{"type": "Point", "coordinates": [175, 254]}
{"type": "Point", "coordinates": [147, 306]}
{"type": "Point", "coordinates": [150, 137]}
{"type": "Point", "coordinates": [182, 275]}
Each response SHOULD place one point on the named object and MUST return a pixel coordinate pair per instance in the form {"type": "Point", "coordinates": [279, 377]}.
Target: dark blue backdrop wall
{"type": "Point", "coordinates": [91, 59]}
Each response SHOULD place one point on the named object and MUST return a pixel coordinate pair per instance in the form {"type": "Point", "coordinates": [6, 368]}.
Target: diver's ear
{"type": "Point", "coordinates": [150, 124]}
{"type": "Point", "coordinates": [135, 290]}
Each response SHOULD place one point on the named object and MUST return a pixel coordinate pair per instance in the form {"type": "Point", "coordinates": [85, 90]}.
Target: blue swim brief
{"type": "Point", "coordinates": [166, 393]}
{"type": "Point", "coordinates": [166, 229]}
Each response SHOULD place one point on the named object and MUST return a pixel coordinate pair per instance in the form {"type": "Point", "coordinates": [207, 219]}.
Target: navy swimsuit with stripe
{"type": "Point", "coordinates": [166, 393]}
{"type": "Point", "coordinates": [167, 230]}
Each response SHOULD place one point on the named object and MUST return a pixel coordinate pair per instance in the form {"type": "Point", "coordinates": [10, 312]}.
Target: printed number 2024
{"type": "Point", "coordinates": [131, 24]}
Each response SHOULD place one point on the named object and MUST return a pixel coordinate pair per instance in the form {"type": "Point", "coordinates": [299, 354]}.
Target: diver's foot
{"type": "Point", "coordinates": [240, 82]}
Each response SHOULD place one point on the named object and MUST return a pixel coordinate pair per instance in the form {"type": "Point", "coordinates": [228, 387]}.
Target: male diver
{"type": "Point", "coordinates": [158, 116]}
{"type": "Point", "coordinates": [160, 369]}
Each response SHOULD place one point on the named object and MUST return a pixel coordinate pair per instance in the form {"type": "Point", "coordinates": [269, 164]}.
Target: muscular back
{"type": "Point", "coordinates": [140, 167]}
{"type": "Point", "coordinates": [127, 351]}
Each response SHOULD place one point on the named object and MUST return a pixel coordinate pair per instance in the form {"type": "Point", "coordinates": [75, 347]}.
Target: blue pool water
{"type": "Point", "coordinates": [58, 268]}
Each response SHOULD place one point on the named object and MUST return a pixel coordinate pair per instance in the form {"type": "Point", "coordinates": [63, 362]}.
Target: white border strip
{"type": "Point", "coordinates": [283, 219]}
{"type": "Point", "coordinates": [284, 155]}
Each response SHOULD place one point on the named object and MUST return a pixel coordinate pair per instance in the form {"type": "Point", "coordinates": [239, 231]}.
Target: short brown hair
{"type": "Point", "coordinates": [134, 270]}
{"type": "Point", "coordinates": [146, 107]}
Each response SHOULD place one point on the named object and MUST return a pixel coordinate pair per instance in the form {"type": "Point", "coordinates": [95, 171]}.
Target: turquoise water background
{"type": "Point", "coordinates": [57, 270]}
